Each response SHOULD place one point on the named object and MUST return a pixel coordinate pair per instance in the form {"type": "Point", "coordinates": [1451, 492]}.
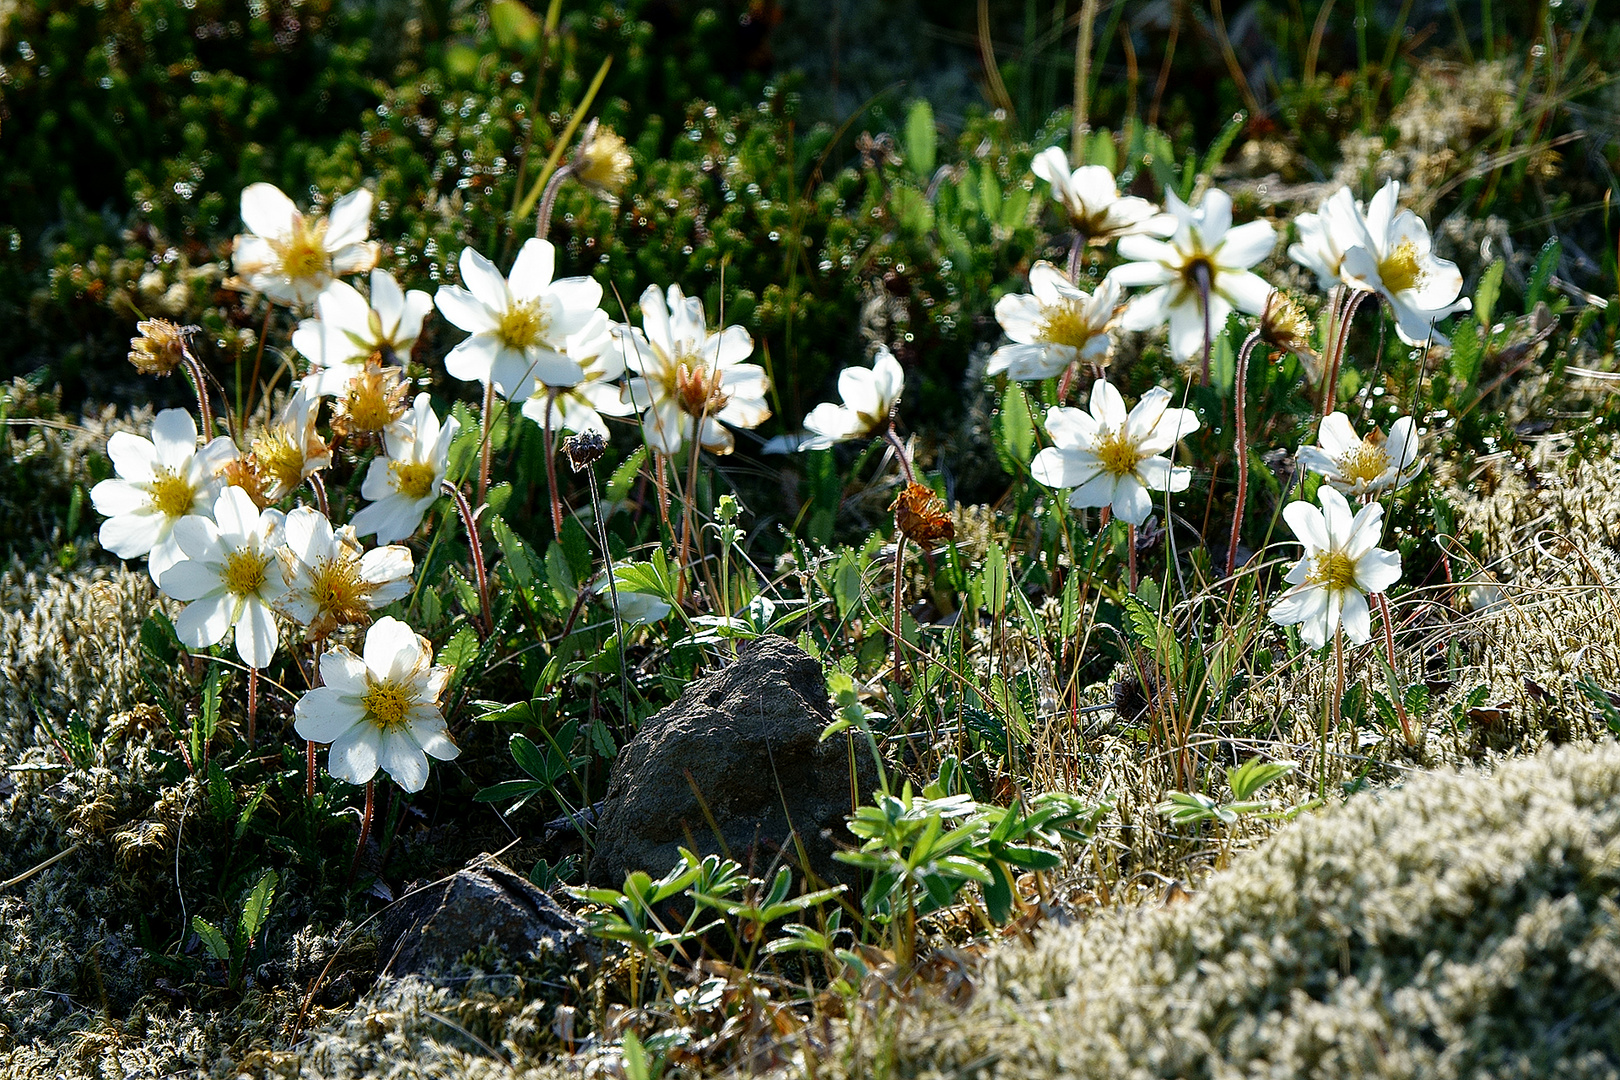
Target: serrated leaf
{"type": "Point", "coordinates": [996, 580]}
{"type": "Point", "coordinates": [257, 908]}
{"type": "Point", "coordinates": [1546, 263]}
{"type": "Point", "coordinates": [1486, 293]}
{"type": "Point", "coordinates": [530, 759]}
{"type": "Point", "coordinates": [460, 650]}
{"type": "Point", "coordinates": [1015, 429]}
{"type": "Point", "coordinates": [1467, 352]}
{"type": "Point", "coordinates": [517, 558]}
{"type": "Point", "coordinates": [618, 485]}
{"type": "Point", "coordinates": [212, 939]}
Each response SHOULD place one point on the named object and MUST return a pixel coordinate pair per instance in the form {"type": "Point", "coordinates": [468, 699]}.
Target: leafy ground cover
{"type": "Point", "coordinates": [410, 399]}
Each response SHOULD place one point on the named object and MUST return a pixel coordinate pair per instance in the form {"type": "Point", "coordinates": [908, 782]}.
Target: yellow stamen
{"type": "Point", "coordinates": [1400, 269]}
{"type": "Point", "coordinates": [374, 399]}
{"type": "Point", "coordinates": [522, 325]}
{"type": "Point", "coordinates": [412, 479]}
{"type": "Point", "coordinates": [388, 703]}
{"type": "Point", "coordinates": [244, 571]}
{"type": "Point", "coordinates": [338, 590]}
{"type": "Point", "coordinates": [281, 458]}
{"type": "Point", "coordinates": [1064, 324]}
{"type": "Point", "coordinates": [1117, 453]}
{"type": "Point", "coordinates": [697, 387]}
{"type": "Point", "coordinates": [1333, 570]}
{"type": "Point", "coordinates": [171, 492]}
{"type": "Point", "coordinates": [1364, 463]}
{"type": "Point", "coordinates": [304, 254]}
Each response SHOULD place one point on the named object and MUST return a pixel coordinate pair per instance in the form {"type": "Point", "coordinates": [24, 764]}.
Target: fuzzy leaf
{"type": "Point", "coordinates": [1486, 293]}
{"type": "Point", "coordinates": [920, 140]}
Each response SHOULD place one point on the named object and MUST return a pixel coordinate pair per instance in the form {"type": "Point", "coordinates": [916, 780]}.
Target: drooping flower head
{"type": "Point", "coordinates": [686, 376]}
{"type": "Point", "coordinates": [331, 582]}
{"type": "Point", "coordinates": [158, 347]}
{"type": "Point", "coordinates": [1364, 467]}
{"type": "Point", "coordinates": [1204, 251]}
{"type": "Point", "coordinates": [351, 333]}
{"type": "Point", "coordinates": [580, 407]}
{"type": "Point", "coordinates": [290, 450]}
{"type": "Point", "coordinates": [404, 481]}
{"type": "Point", "coordinates": [159, 481]}
{"type": "Point", "coordinates": [290, 257]}
{"type": "Point", "coordinates": [1090, 197]}
{"type": "Point", "coordinates": [602, 162]}
{"type": "Point", "coordinates": [920, 516]}
{"type": "Point", "coordinates": [1397, 262]}
{"type": "Point", "coordinates": [521, 326]}
{"type": "Point", "coordinates": [1342, 566]}
{"type": "Point", "coordinates": [1284, 325]}
{"type": "Point", "coordinates": [229, 576]}
{"type": "Point", "coordinates": [1054, 325]}
{"type": "Point", "coordinates": [1114, 458]}
{"type": "Point", "coordinates": [379, 709]}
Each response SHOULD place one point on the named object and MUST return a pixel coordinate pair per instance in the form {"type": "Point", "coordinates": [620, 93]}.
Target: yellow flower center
{"type": "Point", "coordinates": [388, 703]}
{"type": "Point", "coordinates": [1400, 269]}
{"type": "Point", "coordinates": [1117, 453]}
{"type": "Point", "coordinates": [698, 388]}
{"type": "Point", "coordinates": [1363, 463]}
{"type": "Point", "coordinates": [1064, 324]}
{"type": "Point", "coordinates": [171, 492]}
{"type": "Point", "coordinates": [304, 254]}
{"type": "Point", "coordinates": [413, 479]}
{"type": "Point", "coordinates": [372, 401]}
{"type": "Point", "coordinates": [522, 325]}
{"type": "Point", "coordinates": [1333, 570]}
{"type": "Point", "coordinates": [244, 571]}
{"type": "Point", "coordinates": [338, 590]}
{"type": "Point", "coordinates": [281, 458]}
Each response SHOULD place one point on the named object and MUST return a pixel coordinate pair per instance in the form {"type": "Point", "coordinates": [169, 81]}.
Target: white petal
{"type": "Point", "coordinates": [1107, 406]}
{"type": "Point", "coordinates": [190, 580]}
{"type": "Point", "coordinates": [133, 457]}
{"type": "Point", "coordinates": [434, 738]}
{"type": "Point", "coordinates": [1308, 524]}
{"type": "Point", "coordinates": [353, 756]}
{"type": "Point", "coordinates": [256, 634]}
{"type": "Point", "coordinates": [1246, 245]}
{"type": "Point", "coordinates": [266, 211]}
{"type": "Point", "coordinates": [204, 622]}
{"type": "Point", "coordinates": [392, 649]}
{"type": "Point", "coordinates": [1355, 616]}
{"type": "Point", "coordinates": [344, 672]}
{"type": "Point", "coordinates": [1132, 503]}
{"type": "Point", "coordinates": [322, 715]}
{"type": "Point", "coordinates": [1056, 468]}
{"type": "Point", "coordinates": [465, 310]}
{"type": "Point", "coordinates": [174, 438]}
{"type": "Point", "coordinates": [1378, 570]}
{"type": "Point", "coordinates": [484, 281]}
{"type": "Point", "coordinates": [129, 536]}
{"type": "Point", "coordinates": [531, 273]}
{"type": "Point", "coordinates": [349, 221]}
{"type": "Point", "coordinates": [403, 760]}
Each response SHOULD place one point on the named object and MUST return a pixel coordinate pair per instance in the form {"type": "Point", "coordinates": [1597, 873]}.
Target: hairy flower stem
{"type": "Point", "coordinates": [318, 486]}
{"type": "Point", "coordinates": [548, 200]}
{"type": "Point", "coordinates": [365, 827]}
{"type": "Point", "coordinates": [258, 358]}
{"type": "Point", "coordinates": [1076, 250]}
{"type": "Point", "coordinates": [894, 440]}
{"type": "Point", "coordinates": [1240, 404]}
{"type": "Point", "coordinates": [1130, 553]}
{"type": "Point", "coordinates": [1341, 344]}
{"type": "Point", "coordinates": [1201, 272]}
{"type": "Point", "coordinates": [476, 546]}
{"type": "Point", "coordinates": [253, 703]}
{"type": "Point", "coordinates": [484, 442]}
{"type": "Point", "coordinates": [613, 588]}
{"type": "Point", "coordinates": [1389, 644]}
{"type": "Point", "coordinates": [551, 467]}
{"type": "Point", "coordinates": [315, 647]}
{"type": "Point", "coordinates": [663, 494]}
{"type": "Point", "coordinates": [199, 382]}
{"type": "Point", "coordinates": [899, 597]}
{"type": "Point", "coordinates": [1330, 715]}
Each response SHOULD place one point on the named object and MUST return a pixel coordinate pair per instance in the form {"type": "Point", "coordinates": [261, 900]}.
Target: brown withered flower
{"type": "Point", "coordinates": [1285, 326]}
{"type": "Point", "coordinates": [584, 449]}
{"type": "Point", "coordinates": [158, 348]}
{"type": "Point", "coordinates": [245, 472]}
{"type": "Point", "coordinates": [602, 161]}
{"type": "Point", "coordinates": [375, 398]}
{"type": "Point", "coordinates": [920, 515]}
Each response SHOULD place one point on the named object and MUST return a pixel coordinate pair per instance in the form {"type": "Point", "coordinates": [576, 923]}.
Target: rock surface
{"type": "Point", "coordinates": [746, 742]}
{"type": "Point", "coordinates": [486, 903]}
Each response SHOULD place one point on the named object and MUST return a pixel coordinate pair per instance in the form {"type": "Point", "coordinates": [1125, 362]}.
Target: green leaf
{"type": "Point", "coordinates": [1603, 700]}
{"type": "Point", "coordinates": [518, 559]}
{"type": "Point", "coordinates": [846, 583]}
{"type": "Point", "coordinates": [618, 485]}
{"type": "Point", "coordinates": [509, 789]}
{"type": "Point", "coordinates": [1255, 774]}
{"type": "Point", "coordinates": [1467, 352]}
{"type": "Point", "coordinates": [1015, 429]}
{"type": "Point", "coordinates": [921, 140]}
{"type": "Point", "coordinates": [531, 760]}
{"type": "Point", "coordinates": [996, 580]}
{"type": "Point", "coordinates": [1223, 143]}
{"type": "Point", "coordinates": [1485, 294]}
{"type": "Point", "coordinates": [515, 26]}
{"type": "Point", "coordinates": [460, 650]}
{"type": "Point", "coordinates": [257, 908]}
{"type": "Point", "coordinates": [1546, 263]}
{"type": "Point", "coordinates": [158, 639]}
{"type": "Point", "coordinates": [212, 939]}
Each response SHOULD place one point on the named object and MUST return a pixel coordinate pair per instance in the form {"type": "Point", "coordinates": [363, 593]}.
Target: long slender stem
{"type": "Point", "coordinates": [1130, 553]}
{"type": "Point", "coordinates": [253, 702]}
{"type": "Point", "coordinates": [484, 441]}
{"type": "Point", "coordinates": [551, 465]}
{"type": "Point", "coordinates": [1202, 274]}
{"type": "Point", "coordinates": [318, 486]}
{"type": "Point", "coordinates": [1076, 249]}
{"type": "Point", "coordinates": [199, 383]}
{"type": "Point", "coordinates": [613, 588]}
{"type": "Point", "coordinates": [476, 546]}
{"type": "Point", "coordinates": [258, 357]}
{"type": "Point", "coordinates": [1389, 644]}
{"type": "Point", "coordinates": [1241, 401]}
{"type": "Point", "coordinates": [309, 744]}
{"type": "Point", "coordinates": [1082, 82]}
{"type": "Point", "coordinates": [365, 826]}
{"type": "Point", "coordinates": [899, 597]}
{"type": "Point", "coordinates": [894, 440]}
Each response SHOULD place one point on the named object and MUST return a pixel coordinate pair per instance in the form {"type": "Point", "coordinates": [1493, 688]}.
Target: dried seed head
{"type": "Point", "coordinates": [245, 472]}
{"type": "Point", "coordinates": [375, 398]}
{"type": "Point", "coordinates": [920, 515]}
{"type": "Point", "coordinates": [159, 347]}
{"type": "Point", "coordinates": [1286, 326]}
{"type": "Point", "coordinates": [602, 162]}
{"type": "Point", "coordinates": [584, 449]}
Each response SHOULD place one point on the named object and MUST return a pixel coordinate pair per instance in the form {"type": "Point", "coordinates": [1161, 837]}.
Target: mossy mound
{"type": "Point", "coordinates": [1466, 925]}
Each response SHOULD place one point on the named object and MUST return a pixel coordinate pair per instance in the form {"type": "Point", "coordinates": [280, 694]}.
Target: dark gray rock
{"type": "Point", "coordinates": [433, 927]}
{"type": "Point", "coordinates": [745, 741]}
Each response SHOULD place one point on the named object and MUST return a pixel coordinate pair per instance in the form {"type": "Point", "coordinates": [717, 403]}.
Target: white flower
{"type": "Point", "coordinates": [330, 582]}
{"type": "Point", "coordinates": [160, 480]}
{"type": "Point", "coordinates": [684, 373]}
{"type": "Point", "coordinates": [404, 482]}
{"type": "Point", "coordinates": [1342, 566]}
{"type": "Point", "coordinates": [1326, 235]}
{"type": "Point", "coordinates": [1114, 459]}
{"type": "Point", "coordinates": [1090, 196]}
{"type": "Point", "coordinates": [521, 326]}
{"type": "Point", "coordinates": [1364, 466]}
{"type": "Point", "coordinates": [291, 258]}
{"type": "Point", "coordinates": [1397, 262]}
{"type": "Point", "coordinates": [869, 396]}
{"type": "Point", "coordinates": [381, 709]}
{"type": "Point", "coordinates": [291, 450]}
{"type": "Point", "coordinates": [350, 331]}
{"type": "Point", "coordinates": [635, 608]}
{"type": "Point", "coordinates": [1054, 325]}
{"type": "Point", "coordinates": [229, 576]}
{"type": "Point", "coordinates": [1204, 244]}
{"type": "Point", "coordinates": [579, 407]}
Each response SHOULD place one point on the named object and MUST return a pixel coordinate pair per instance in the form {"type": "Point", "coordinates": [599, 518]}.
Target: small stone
{"type": "Point", "coordinates": [741, 746]}
{"type": "Point", "coordinates": [434, 926]}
